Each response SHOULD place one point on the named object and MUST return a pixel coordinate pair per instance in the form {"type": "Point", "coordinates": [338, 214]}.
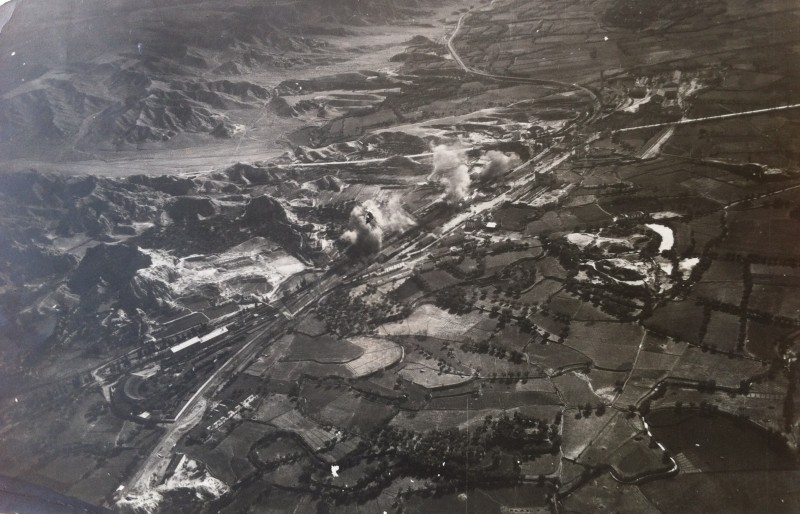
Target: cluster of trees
{"type": "Point", "coordinates": [442, 364]}
{"type": "Point", "coordinates": [567, 254]}
{"type": "Point", "coordinates": [620, 300]}
{"type": "Point", "coordinates": [503, 315]}
{"type": "Point", "coordinates": [511, 291]}
{"type": "Point", "coordinates": [508, 245]}
{"type": "Point", "coordinates": [707, 386]}
{"type": "Point", "coordinates": [587, 409]}
{"type": "Point", "coordinates": [518, 276]}
{"type": "Point", "coordinates": [345, 315]}
{"type": "Point", "coordinates": [509, 377]}
{"type": "Point", "coordinates": [479, 452]}
{"type": "Point", "coordinates": [369, 484]}
{"type": "Point", "coordinates": [492, 348]}
{"type": "Point", "coordinates": [452, 265]}
{"type": "Point", "coordinates": [454, 300]}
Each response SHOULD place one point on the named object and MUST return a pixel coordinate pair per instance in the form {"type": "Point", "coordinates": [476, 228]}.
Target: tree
{"type": "Point", "coordinates": [744, 387]}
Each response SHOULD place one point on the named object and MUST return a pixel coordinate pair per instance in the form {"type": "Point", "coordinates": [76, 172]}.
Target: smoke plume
{"type": "Point", "coordinates": [450, 168]}
{"type": "Point", "coordinates": [499, 164]}
{"type": "Point", "coordinates": [371, 221]}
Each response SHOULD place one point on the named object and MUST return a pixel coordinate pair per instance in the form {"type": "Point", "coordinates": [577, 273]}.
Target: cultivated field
{"type": "Point", "coordinates": [324, 349]}
{"type": "Point", "coordinates": [377, 354]}
{"type": "Point", "coordinates": [424, 374]}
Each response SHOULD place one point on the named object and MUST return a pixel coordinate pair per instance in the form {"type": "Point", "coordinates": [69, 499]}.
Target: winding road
{"type": "Point", "coordinates": [515, 78]}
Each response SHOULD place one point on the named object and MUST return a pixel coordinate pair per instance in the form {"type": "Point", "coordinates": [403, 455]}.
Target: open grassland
{"type": "Point", "coordinates": [424, 420]}
{"type": "Point", "coordinates": [356, 413]}
{"type": "Point", "coordinates": [606, 494]}
{"type": "Point", "coordinates": [698, 365]}
{"type": "Point", "coordinates": [778, 299]}
{"type": "Point", "coordinates": [554, 356]}
{"type": "Point", "coordinates": [543, 291]}
{"type": "Point", "coordinates": [680, 319]}
{"type": "Point", "coordinates": [722, 282]}
{"type": "Point", "coordinates": [497, 395]}
{"type": "Point", "coordinates": [613, 439]}
{"type": "Point", "coordinates": [323, 349]}
{"type": "Point", "coordinates": [311, 433]}
{"type": "Point", "coordinates": [722, 332]}
{"type": "Point", "coordinates": [656, 361]}
{"type": "Point", "coordinates": [578, 433]}
{"type": "Point", "coordinates": [575, 390]}
{"type": "Point", "coordinates": [500, 500]}
{"type": "Point", "coordinates": [638, 459]}
{"type": "Point", "coordinates": [761, 338]}
{"type": "Point", "coordinates": [609, 345]}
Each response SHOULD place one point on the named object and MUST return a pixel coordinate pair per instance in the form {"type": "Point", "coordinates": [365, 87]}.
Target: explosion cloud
{"type": "Point", "coordinates": [450, 168]}
{"type": "Point", "coordinates": [499, 164]}
{"type": "Point", "coordinates": [371, 221]}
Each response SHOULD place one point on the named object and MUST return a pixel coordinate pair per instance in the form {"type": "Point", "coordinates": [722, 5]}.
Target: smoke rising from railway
{"type": "Point", "coordinates": [450, 168]}
{"type": "Point", "coordinates": [371, 222]}
{"type": "Point", "coordinates": [499, 164]}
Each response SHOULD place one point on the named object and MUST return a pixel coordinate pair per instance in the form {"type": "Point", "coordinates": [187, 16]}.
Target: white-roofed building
{"type": "Point", "coordinates": [199, 340]}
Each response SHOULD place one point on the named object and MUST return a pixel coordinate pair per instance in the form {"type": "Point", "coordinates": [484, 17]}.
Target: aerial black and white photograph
{"type": "Point", "coordinates": [399, 256]}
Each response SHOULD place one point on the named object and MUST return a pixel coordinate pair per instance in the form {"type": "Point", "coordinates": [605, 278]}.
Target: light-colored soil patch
{"type": "Point", "coordinates": [378, 354]}
{"type": "Point", "coordinates": [434, 322]}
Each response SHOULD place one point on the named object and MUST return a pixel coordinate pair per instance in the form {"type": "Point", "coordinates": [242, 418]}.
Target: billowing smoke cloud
{"type": "Point", "coordinates": [499, 164]}
{"type": "Point", "coordinates": [370, 222]}
{"type": "Point", "coordinates": [450, 168]}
